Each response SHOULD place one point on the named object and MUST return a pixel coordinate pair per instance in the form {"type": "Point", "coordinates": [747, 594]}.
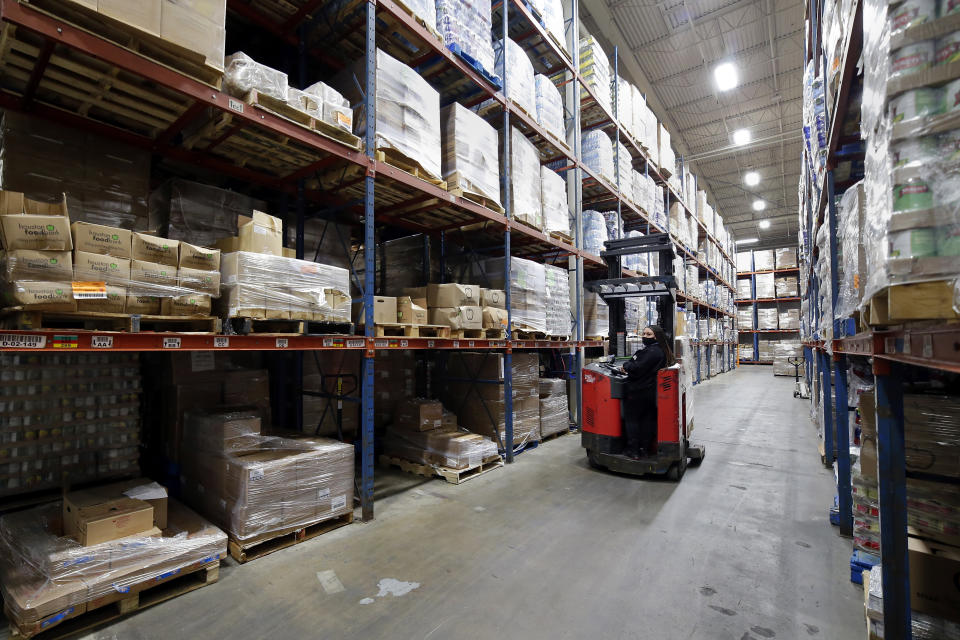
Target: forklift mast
{"type": "Point", "coordinates": [615, 289]}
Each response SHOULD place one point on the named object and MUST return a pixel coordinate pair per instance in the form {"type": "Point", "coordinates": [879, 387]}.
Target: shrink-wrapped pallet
{"type": "Point", "coordinates": [594, 232]}
{"type": "Point", "coordinates": [595, 70]}
{"type": "Point", "coordinates": [553, 197]}
{"type": "Point", "coordinates": [471, 158]}
{"type": "Point", "coordinates": [525, 180]}
{"type": "Point", "coordinates": [465, 26]}
{"type": "Point", "coordinates": [549, 111]}
{"type": "Point", "coordinates": [527, 291]}
{"type": "Point", "coordinates": [596, 153]}
{"type": "Point", "coordinates": [557, 300]}
{"type": "Point", "coordinates": [521, 87]}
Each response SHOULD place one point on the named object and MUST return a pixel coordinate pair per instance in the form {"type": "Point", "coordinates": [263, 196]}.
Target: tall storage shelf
{"type": "Point", "coordinates": [370, 193]}
{"type": "Point", "coordinates": [783, 300]}
{"type": "Point", "coordinates": [872, 327]}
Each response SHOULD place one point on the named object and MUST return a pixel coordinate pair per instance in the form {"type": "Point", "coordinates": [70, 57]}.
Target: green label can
{"type": "Point", "coordinates": [912, 243]}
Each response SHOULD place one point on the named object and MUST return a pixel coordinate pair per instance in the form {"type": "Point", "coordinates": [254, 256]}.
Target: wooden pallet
{"type": "Point", "coordinates": [18, 318]}
{"type": "Point", "coordinates": [527, 223]}
{"type": "Point", "coordinates": [116, 605]}
{"type": "Point", "coordinates": [912, 302]}
{"type": "Point", "coordinates": [453, 476]}
{"type": "Point", "coordinates": [562, 237]}
{"type": "Point", "coordinates": [456, 186]}
{"type": "Point", "coordinates": [396, 159]}
{"type": "Point", "coordinates": [282, 109]}
{"type": "Point", "coordinates": [495, 333]}
{"type": "Point", "coordinates": [592, 338]}
{"type": "Point", "coordinates": [419, 20]}
{"type": "Point", "coordinates": [523, 334]}
{"type": "Point", "coordinates": [558, 338]}
{"type": "Point", "coordinates": [554, 436]}
{"type": "Point", "coordinates": [285, 326]}
{"type": "Point", "coordinates": [130, 37]}
{"type": "Point", "coordinates": [247, 550]}
{"type": "Point", "coordinates": [401, 330]}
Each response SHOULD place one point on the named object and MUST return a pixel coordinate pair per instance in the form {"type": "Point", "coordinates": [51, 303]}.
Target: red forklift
{"type": "Point", "coordinates": [604, 384]}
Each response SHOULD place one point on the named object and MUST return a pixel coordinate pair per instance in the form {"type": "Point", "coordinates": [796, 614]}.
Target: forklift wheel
{"type": "Point", "coordinates": [673, 475]}
{"type": "Point", "coordinates": [591, 458]}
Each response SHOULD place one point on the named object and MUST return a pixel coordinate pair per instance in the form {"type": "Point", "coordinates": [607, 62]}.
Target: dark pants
{"type": "Point", "coordinates": [640, 420]}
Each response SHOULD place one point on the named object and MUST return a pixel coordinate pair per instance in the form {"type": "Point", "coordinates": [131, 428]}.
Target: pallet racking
{"type": "Point", "coordinates": [752, 274]}
{"type": "Point", "coordinates": [377, 193]}
{"type": "Point", "coordinates": [892, 352]}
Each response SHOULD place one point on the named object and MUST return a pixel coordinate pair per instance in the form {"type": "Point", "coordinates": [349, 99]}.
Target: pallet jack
{"type": "Point", "coordinates": [800, 389]}
{"type": "Point", "coordinates": [604, 385]}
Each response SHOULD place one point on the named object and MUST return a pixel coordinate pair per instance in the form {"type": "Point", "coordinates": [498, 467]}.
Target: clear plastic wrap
{"type": "Point", "coordinates": [786, 286]}
{"type": "Point", "coordinates": [745, 316]}
{"type": "Point", "coordinates": [426, 9]}
{"type": "Point", "coordinates": [763, 260]}
{"type": "Point", "coordinates": [744, 289]}
{"type": "Point", "coordinates": [521, 86]}
{"type": "Point", "coordinates": [922, 626]}
{"type": "Point", "coordinates": [594, 232]}
{"type": "Point", "coordinates": [525, 180]}
{"type": "Point", "coordinates": [242, 74]}
{"type": "Point", "coordinates": [557, 300]}
{"type": "Point", "coordinates": [624, 166]}
{"type": "Point", "coordinates": [912, 221]}
{"type": "Point", "coordinates": [767, 318]}
{"type": "Point", "coordinates": [254, 485]}
{"type": "Point", "coordinates": [595, 69]}
{"type": "Point", "coordinates": [789, 319]}
{"type": "Point", "coordinates": [554, 415]}
{"type": "Point", "coordinates": [475, 394]}
{"type": "Point", "coordinates": [256, 285]}
{"type": "Point", "coordinates": [57, 423]}
{"type": "Point", "coordinates": [596, 316]}
{"type": "Point", "coordinates": [408, 114]}
{"type": "Point", "coordinates": [471, 157]}
{"type": "Point", "coordinates": [47, 578]}
{"type": "Point", "coordinates": [549, 106]}
{"type": "Point", "coordinates": [932, 431]}
{"type": "Point", "coordinates": [614, 223]}
{"type": "Point", "coordinates": [552, 13]}
{"type": "Point", "coordinates": [328, 105]}
{"type": "Point", "coordinates": [624, 100]}
{"type": "Point", "coordinates": [766, 285]}
{"type": "Point", "coordinates": [466, 25]}
{"type": "Point", "coordinates": [197, 213]}
{"type": "Point", "coordinates": [785, 257]}
{"type": "Point", "coordinates": [107, 182]}
{"type": "Point", "coordinates": [528, 284]}
{"type": "Point", "coordinates": [437, 448]}
{"type": "Point", "coordinates": [783, 352]}
{"type": "Point", "coordinates": [597, 153]}
{"type": "Point", "coordinates": [638, 121]}
{"type": "Point", "coordinates": [553, 197]}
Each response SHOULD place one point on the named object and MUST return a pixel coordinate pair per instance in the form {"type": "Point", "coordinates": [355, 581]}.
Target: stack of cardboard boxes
{"type": "Point", "coordinates": [554, 416]}
{"type": "Point", "coordinates": [262, 281]}
{"type": "Point", "coordinates": [596, 316]}
{"type": "Point", "coordinates": [257, 486]}
{"type": "Point", "coordinates": [475, 392]}
{"type": "Point", "coordinates": [56, 561]}
{"type": "Point", "coordinates": [423, 431]}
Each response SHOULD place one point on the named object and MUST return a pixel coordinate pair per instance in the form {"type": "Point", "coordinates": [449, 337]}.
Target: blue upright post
{"type": "Point", "coordinates": [827, 404]}
{"type": "Point", "coordinates": [369, 262]}
{"type": "Point", "coordinates": [841, 404]}
{"type": "Point", "coordinates": [891, 472]}
{"type": "Point", "coordinates": [506, 186]}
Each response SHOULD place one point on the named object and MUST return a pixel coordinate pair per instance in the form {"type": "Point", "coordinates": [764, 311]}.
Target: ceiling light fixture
{"type": "Point", "coordinates": [751, 178]}
{"type": "Point", "coordinates": [759, 205]}
{"type": "Point", "coordinates": [726, 76]}
{"type": "Point", "coordinates": [748, 241]}
{"type": "Point", "coordinates": [741, 137]}
{"type": "Point", "coordinates": [764, 224]}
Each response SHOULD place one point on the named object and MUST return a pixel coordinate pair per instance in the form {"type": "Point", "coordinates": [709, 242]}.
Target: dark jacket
{"type": "Point", "coordinates": [642, 368]}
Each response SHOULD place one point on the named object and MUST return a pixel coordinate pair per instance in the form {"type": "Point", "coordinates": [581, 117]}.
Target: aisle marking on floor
{"type": "Point", "coordinates": [329, 581]}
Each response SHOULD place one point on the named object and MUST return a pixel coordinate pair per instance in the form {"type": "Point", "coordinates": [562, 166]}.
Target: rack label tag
{"type": "Point", "coordinates": [101, 342]}
{"type": "Point", "coordinates": [356, 344]}
{"type": "Point", "coordinates": [17, 341]}
{"type": "Point", "coordinates": [171, 343]}
{"type": "Point", "coordinates": [235, 105]}
{"type": "Point", "coordinates": [221, 342]}
{"type": "Point", "coordinates": [381, 344]}
{"type": "Point", "coordinates": [430, 344]}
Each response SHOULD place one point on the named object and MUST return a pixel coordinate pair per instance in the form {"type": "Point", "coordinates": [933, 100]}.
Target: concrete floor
{"type": "Point", "coordinates": [549, 548]}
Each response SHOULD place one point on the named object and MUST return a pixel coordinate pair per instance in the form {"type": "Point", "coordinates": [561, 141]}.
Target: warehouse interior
{"type": "Point", "coordinates": [450, 318]}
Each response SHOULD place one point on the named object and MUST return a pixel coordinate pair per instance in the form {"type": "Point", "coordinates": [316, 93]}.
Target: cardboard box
{"type": "Point", "coordinates": [219, 430]}
{"type": "Point", "coordinates": [471, 317]}
{"type": "Point", "coordinates": [191, 305]}
{"type": "Point", "coordinates": [115, 302]}
{"type": "Point", "coordinates": [138, 489]}
{"type": "Point", "coordinates": [41, 296]}
{"type": "Point", "coordinates": [182, 25]}
{"type": "Point", "coordinates": [30, 224]}
{"type": "Point", "coordinates": [203, 281]}
{"type": "Point", "coordinates": [494, 318]}
{"type": "Point", "coordinates": [446, 316]}
{"type": "Point", "coordinates": [418, 295]}
{"type": "Point", "coordinates": [384, 311]}
{"type": "Point", "coordinates": [164, 276]}
{"type": "Point", "coordinates": [289, 252]}
{"type": "Point", "coordinates": [452, 295]}
{"type": "Point", "coordinates": [201, 258]}
{"type": "Point", "coordinates": [98, 238]}
{"type": "Point", "coordinates": [934, 579]}
{"type": "Point", "coordinates": [418, 414]}
{"type": "Point", "coordinates": [142, 305]}
{"type": "Point", "coordinates": [153, 249]}
{"type": "Point", "coordinates": [95, 267]}
{"type": "Point", "coordinates": [90, 521]}
{"type": "Point", "coordinates": [493, 298]}
{"type": "Point", "coordinates": [228, 245]}
{"type": "Point", "coordinates": [27, 264]}
{"type": "Point", "coordinates": [410, 313]}
{"type": "Point", "coordinates": [142, 14]}
{"type": "Point", "coordinates": [261, 234]}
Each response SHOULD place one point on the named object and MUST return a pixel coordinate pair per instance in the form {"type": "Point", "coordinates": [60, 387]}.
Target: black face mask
{"type": "Point", "coordinates": [648, 341]}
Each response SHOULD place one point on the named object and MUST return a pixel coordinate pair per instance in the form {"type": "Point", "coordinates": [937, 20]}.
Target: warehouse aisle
{"type": "Point", "coordinates": [549, 548]}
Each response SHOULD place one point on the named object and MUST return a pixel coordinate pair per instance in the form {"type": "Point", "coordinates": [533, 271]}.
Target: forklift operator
{"type": "Point", "coordinates": [640, 410]}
